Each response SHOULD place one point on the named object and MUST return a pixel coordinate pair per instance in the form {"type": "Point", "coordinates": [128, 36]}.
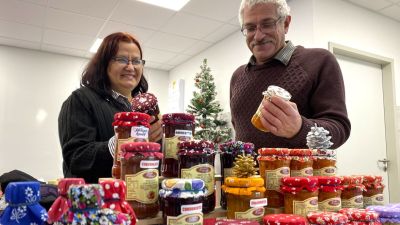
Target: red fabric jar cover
{"type": "Point", "coordinates": [352, 180]}
{"type": "Point", "coordinates": [177, 118]}
{"type": "Point", "coordinates": [329, 183]}
{"type": "Point", "coordinates": [362, 215]}
{"type": "Point", "coordinates": [195, 145]}
{"type": "Point", "coordinates": [143, 148]}
{"type": "Point", "coordinates": [372, 182]}
{"type": "Point", "coordinates": [114, 197]}
{"type": "Point", "coordinates": [131, 119]}
{"type": "Point", "coordinates": [327, 218]}
{"type": "Point", "coordinates": [296, 184]}
{"type": "Point", "coordinates": [145, 103]}
{"type": "Point", "coordinates": [363, 223]}
{"type": "Point", "coordinates": [60, 205]}
{"type": "Point", "coordinates": [300, 152]}
{"type": "Point", "coordinates": [274, 151]}
{"type": "Point", "coordinates": [284, 219]}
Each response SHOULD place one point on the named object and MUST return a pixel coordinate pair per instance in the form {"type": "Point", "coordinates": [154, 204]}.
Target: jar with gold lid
{"type": "Point", "coordinates": [128, 127]}
{"type": "Point", "coordinates": [176, 127]}
{"type": "Point", "coordinates": [300, 194]}
{"type": "Point", "coordinates": [373, 193]}
{"type": "Point", "coordinates": [324, 162]}
{"type": "Point", "coordinates": [330, 189]}
{"type": "Point", "coordinates": [301, 162]}
{"type": "Point", "coordinates": [352, 193]}
{"type": "Point", "coordinates": [139, 169]}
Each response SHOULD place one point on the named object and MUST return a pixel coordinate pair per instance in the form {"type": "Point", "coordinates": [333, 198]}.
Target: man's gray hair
{"type": "Point", "coordinates": [282, 7]}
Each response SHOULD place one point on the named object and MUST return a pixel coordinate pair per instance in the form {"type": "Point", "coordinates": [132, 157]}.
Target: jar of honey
{"type": "Point", "coordinates": [327, 218]}
{"type": "Point", "coordinates": [139, 169]}
{"type": "Point", "coordinates": [330, 189]}
{"type": "Point", "coordinates": [324, 162]}
{"type": "Point", "coordinates": [373, 193]}
{"type": "Point", "coordinates": [352, 193]}
{"type": "Point", "coordinates": [176, 127]}
{"type": "Point", "coordinates": [301, 162]}
{"type": "Point", "coordinates": [196, 160]}
{"type": "Point", "coordinates": [301, 195]}
{"type": "Point", "coordinates": [182, 201]}
{"type": "Point", "coordinates": [128, 127]}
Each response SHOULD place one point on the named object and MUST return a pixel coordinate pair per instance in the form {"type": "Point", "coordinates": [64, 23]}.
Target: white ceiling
{"type": "Point", "coordinates": [168, 37]}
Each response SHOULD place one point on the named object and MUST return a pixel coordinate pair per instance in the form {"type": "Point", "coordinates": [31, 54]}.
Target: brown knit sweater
{"type": "Point", "coordinates": [314, 79]}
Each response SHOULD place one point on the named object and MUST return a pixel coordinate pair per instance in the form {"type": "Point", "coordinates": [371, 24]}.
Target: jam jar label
{"type": "Point", "coordinates": [373, 200]}
{"type": "Point", "coordinates": [149, 164]}
{"type": "Point", "coordinates": [330, 205]}
{"type": "Point", "coordinates": [251, 214]}
{"type": "Point", "coordinates": [140, 134]}
{"type": "Point", "coordinates": [306, 172]}
{"type": "Point", "coordinates": [273, 177]}
{"type": "Point", "coordinates": [260, 202]}
{"type": "Point", "coordinates": [171, 144]}
{"type": "Point", "coordinates": [193, 208]}
{"type": "Point", "coordinates": [201, 171]}
{"type": "Point", "coordinates": [143, 186]}
{"type": "Point", "coordinates": [325, 171]}
{"type": "Point", "coordinates": [302, 208]}
{"type": "Point", "coordinates": [354, 202]}
{"type": "Point", "coordinates": [186, 219]}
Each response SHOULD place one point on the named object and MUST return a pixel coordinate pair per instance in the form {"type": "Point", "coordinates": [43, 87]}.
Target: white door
{"type": "Point", "coordinates": [364, 101]}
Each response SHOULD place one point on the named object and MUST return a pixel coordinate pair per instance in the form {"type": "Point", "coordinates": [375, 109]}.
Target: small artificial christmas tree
{"type": "Point", "coordinates": [206, 109]}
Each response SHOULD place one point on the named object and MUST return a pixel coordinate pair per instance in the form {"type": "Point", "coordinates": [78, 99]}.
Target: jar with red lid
{"type": "Point", "coordinates": [300, 194]}
{"type": "Point", "coordinates": [360, 216]}
{"type": "Point", "coordinates": [128, 127]}
{"type": "Point", "coordinates": [139, 169]}
{"type": "Point", "coordinates": [284, 219]}
{"type": "Point", "coordinates": [301, 162]}
{"type": "Point", "coordinates": [352, 193]}
{"type": "Point", "coordinates": [274, 164]}
{"type": "Point", "coordinates": [324, 162]}
{"type": "Point", "coordinates": [330, 190]}
{"type": "Point", "coordinates": [327, 218]}
{"type": "Point", "coordinates": [373, 193]}
{"type": "Point", "coordinates": [196, 161]}
{"type": "Point", "coordinates": [176, 127]}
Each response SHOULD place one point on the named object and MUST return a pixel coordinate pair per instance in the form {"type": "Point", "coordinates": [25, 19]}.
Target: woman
{"type": "Point", "coordinates": [112, 77]}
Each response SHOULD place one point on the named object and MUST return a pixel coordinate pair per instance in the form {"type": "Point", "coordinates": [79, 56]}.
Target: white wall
{"type": "Point", "coordinates": [33, 84]}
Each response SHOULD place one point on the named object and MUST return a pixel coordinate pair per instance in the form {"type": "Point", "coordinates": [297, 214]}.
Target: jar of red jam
{"type": "Point", "coordinates": [327, 218]}
{"type": "Point", "coordinates": [330, 189]}
{"type": "Point", "coordinates": [352, 193]}
{"type": "Point", "coordinates": [301, 195]}
{"type": "Point", "coordinates": [301, 162]}
{"type": "Point", "coordinates": [324, 162]}
{"type": "Point", "coordinates": [182, 201]}
{"type": "Point", "coordinates": [196, 161]}
{"type": "Point", "coordinates": [139, 169]}
{"type": "Point", "coordinates": [373, 193]}
{"type": "Point", "coordinates": [176, 127]}
{"type": "Point", "coordinates": [128, 127]}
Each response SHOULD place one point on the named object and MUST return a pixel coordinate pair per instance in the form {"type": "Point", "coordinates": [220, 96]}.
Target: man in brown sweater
{"type": "Point", "coordinates": [312, 76]}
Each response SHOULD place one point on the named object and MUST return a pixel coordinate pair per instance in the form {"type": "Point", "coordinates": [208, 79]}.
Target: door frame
{"type": "Point", "coordinates": [389, 101]}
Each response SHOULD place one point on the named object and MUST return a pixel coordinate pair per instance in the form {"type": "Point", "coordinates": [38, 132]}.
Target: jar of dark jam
{"type": "Point", "coordinates": [128, 127]}
{"type": "Point", "coordinates": [139, 169]}
{"type": "Point", "coordinates": [176, 127]}
{"type": "Point", "coordinates": [196, 160]}
{"type": "Point", "coordinates": [182, 201]}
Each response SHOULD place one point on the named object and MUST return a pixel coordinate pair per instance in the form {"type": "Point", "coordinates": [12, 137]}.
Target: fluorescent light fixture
{"type": "Point", "coordinates": [96, 45]}
{"type": "Point", "coordinates": [175, 5]}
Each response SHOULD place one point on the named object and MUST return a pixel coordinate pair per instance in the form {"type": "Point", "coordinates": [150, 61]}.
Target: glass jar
{"type": "Point", "coordinates": [245, 198]}
{"type": "Point", "coordinates": [176, 127]}
{"type": "Point", "coordinates": [128, 127]}
{"type": "Point", "coordinates": [196, 160]}
{"type": "Point", "coordinates": [325, 218]}
{"type": "Point", "coordinates": [146, 103]}
{"type": "Point", "coordinates": [373, 193]}
{"type": "Point", "coordinates": [301, 162]}
{"type": "Point", "coordinates": [324, 162]}
{"type": "Point", "coordinates": [139, 169]}
{"type": "Point", "coordinates": [301, 195]}
{"type": "Point", "coordinates": [182, 201]}
{"type": "Point", "coordinates": [352, 193]}
{"type": "Point", "coordinates": [274, 165]}
{"type": "Point", "coordinates": [329, 193]}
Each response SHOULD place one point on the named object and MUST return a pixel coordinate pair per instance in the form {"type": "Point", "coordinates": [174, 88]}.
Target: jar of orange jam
{"type": "Point", "coordinates": [352, 194]}
{"type": "Point", "coordinates": [373, 193]}
{"type": "Point", "coordinates": [330, 189]}
{"type": "Point", "coordinates": [301, 162]}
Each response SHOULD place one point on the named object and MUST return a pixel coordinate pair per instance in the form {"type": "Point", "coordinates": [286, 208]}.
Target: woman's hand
{"type": "Point", "coordinates": [155, 133]}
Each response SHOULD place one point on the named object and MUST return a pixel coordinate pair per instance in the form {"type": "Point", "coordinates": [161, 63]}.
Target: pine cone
{"type": "Point", "coordinates": [245, 166]}
{"type": "Point", "coordinates": [318, 138]}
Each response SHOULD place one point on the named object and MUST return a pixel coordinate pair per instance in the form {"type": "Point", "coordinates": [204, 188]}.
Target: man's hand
{"type": "Point", "coordinates": [155, 133]}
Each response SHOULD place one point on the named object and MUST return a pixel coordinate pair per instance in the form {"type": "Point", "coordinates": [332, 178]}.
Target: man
{"type": "Point", "coordinates": [312, 76]}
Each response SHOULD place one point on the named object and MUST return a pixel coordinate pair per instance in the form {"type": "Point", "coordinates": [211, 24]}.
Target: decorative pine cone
{"type": "Point", "coordinates": [245, 166]}
{"type": "Point", "coordinates": [318, 138]}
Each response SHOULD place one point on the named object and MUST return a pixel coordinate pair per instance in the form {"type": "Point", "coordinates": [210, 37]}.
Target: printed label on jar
{"type": "Point", "coordinates": [149, 164]}
{"type": "Point", "coordinates": [302, 208]}
{"type": "Point", "coordinates": [143, 186]}
{"type": "Point", "coordinates": [354, 202]}
{"type": "Point", "coordinates": [260, 202]}
{"type": "Point", "coordinates": [171, 144]}
{"type": "Point", "coordinates": [118, 151]}
{"type": "Point", "coordinates": [140, 134]}
{"type": "Point", "coordinates": [325, 171]}
{"type": "Point", "coordinates": [251, 214]}
{"type": "Point", "coordinates": [193, 208]}
{"type": "Point", "coordinates": [273, 177]}
{"type": "Point", "coordinates": [306, 172]}
{"type": "Point", "coordinates": [373, 200]}
{"type": "Point", "coordinates": [330, 205]}
{"type": "Point", "coordinates": [186, 219]}
{"type": "Point", "coordinates": [228, 172]}
{"type": "Point", "coordinates": [202, 171]}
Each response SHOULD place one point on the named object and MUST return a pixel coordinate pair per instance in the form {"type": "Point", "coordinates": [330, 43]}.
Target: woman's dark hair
{"type": "Point", "coordinates": [95, 74]}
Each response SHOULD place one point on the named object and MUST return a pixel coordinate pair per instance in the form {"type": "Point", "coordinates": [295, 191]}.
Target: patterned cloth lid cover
{"type": "Point", "coordinates": [23, 204]}
{"type": "Point", "coordinates": [145, 103]}
{"type": "Point", "coordinates": [196, 144]}
{"type": "Point", "coordinates": [327, 218]}
{"type": "Point", "coordinates": [300, 152]}
{"type": "Point", "coordinates": [274, 151]}
{"type": "Point", "coordinates": [363, 223]}
{"type": "Point", "coordinates": [387, 211]}
{"type": "Point", "coordinates": [60, 205]}
{"type": "Point", "coordinates": [284, 219]}
{"type": "Point", "coordinates": [361, 215]}
{"type": "Point", "coordinates": [178, 118]}
{"type": "Point", "coordinates": [237, 147]}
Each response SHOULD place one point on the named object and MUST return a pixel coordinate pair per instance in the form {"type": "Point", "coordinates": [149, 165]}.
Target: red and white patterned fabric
{"type": "Point", "coordinates": [273, 151]}
{"type": "Point", "coordinates": [363, 223]}
{"type": "Point", "coordinates": [284, 219]}
{"type": "Point", "coordinates": [327, 218]}
{"type": "Point", "coordinates": [361, 215]}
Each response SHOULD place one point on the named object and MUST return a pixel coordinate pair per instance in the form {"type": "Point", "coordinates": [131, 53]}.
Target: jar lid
{"type": "Point", "coordinates": [273, 151]}
{"type": "Point", "coordinates": [363, 223]}
{"type": "Point", "coordinates": [114, 189]}
{"type": "Point", "coordinates": [145, 103]}
{"type": "Point", "coordinates": [195, 145]}
{"type": "Point", "coordinates": [183, 184]}
{"type": "Point", "coordinates": [284, 219]}
{"type": "Point", "coordinates": [387, 211]}
{"type": "Point", "coordinates": [63, 184]}
{"type": "Point", "coordinates": [130, 123]}
{"type": "Point", "coordinates": [274, 90]}
{"type": "Point", "coordinates": [178, 118]}
{"type": "Point", "coordinates": [329, 180]}
{"type": "Point", "coordinates": [300, 152]}
{"type": "Point", "coordinates": [140, 147]}
{"type": "Point", "coordinates": [355, 214]}
{"type": "Point", "coordinates": [237, 147]}
{"type": "Point", "coordinates": [346, 180]}
{"type": "Point", "coordinates": [255, 181]}
{"type": "Point", "coordinates": [131, 116]}
{"type": "Point", "coordinates": [372, 179]}
{"type": "Point", "coordinates": [296, 184]}
{"type": "Point", "coordinates": [327, 218]}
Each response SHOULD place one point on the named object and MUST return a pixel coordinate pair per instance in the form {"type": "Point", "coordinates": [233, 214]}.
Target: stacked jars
{"type": "Point", "coordinates": [139, 169]}
{"type": "Point", "coordinates": [245, 198]}
{"type": "Point", "coordinates": [327, 218]}
{"type": "Point", "coordinates": [324, 162]}
{"type": "Point", "coordinates": [301, 164]}
{"type": "Point", "coordinates": [352, 194]}
{"type": "Point", "coordinates": [229, 151]}
{"type": "Point", "coordinates": [330, 189]}
{"type": "Point", "coordinates": [301, 195]}
{"type": "Point", "coordinates": [196, 160]}
{"type": "Point", "coordinates": [274, 164]}
{"type": "Point", "coordinates": [176, 127]}
{"type": "Point", "coordinates": [128, 127]}
{"type": "Point", "coordinates": [373, 193]}
{"type": "Point", "coordinates": [182, 201]}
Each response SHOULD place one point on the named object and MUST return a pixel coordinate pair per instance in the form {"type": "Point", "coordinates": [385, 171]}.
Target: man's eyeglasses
{"type": "Point", "coordinates": [125, 61]}
{"type": "Point", "coordinates": [266, 27]}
